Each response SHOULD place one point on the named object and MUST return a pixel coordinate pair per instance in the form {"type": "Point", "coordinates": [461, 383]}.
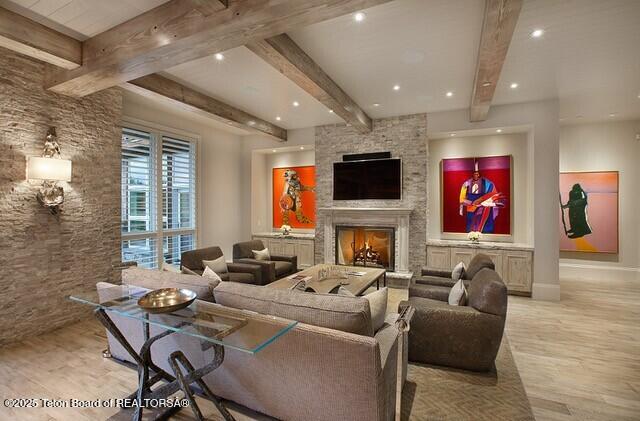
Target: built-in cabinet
{"type": "Point", "coordinates": [301, 245]}
{"type": "Point", "coordinates": [514, 263]}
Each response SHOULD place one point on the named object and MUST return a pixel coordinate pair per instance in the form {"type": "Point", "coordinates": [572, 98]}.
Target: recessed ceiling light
{"type": "Point", "coordinates": [219, 56]}
{"type": "Point", "coordinates": [296, 103]}
{"type": "Point", "coordinates": [273, 150]}
{"type": "Point", "coordinates": [514, 85]}
{"type": "Point", "coordinates": [486, 84]}
{"type": "Point", "coordinates": [449, 94]}
{"type": "Point", "coordinates": [375, 104]}
{"type": "Point", "coordinates": [452, 134]}
{"type": "Point", "coordinates": [251, 123]}
{"type": "Point", "coordinates": [278, 118]}
{"type": "Point", "coordinates": [638, 95]}
{"type": "Point", "coordinates": [499, 131]}
{"type": "Point", "coordinates": [537, 33]}
{"type": "Point", "coordinates": [396, 87]}
{"type": "Point", "coordinates": [613, 114]}
{"type": "Point", "coordinates": [331, 111]}
{"type": "Point", "coordinates": [302, 148]}
{"type": "Point", "coordinates": [359, 17]}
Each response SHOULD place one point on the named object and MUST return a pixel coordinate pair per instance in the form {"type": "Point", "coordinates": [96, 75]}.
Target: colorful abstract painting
{"type": "Point", "coordinates": [476, 195]}
{"type": "Point", "coordinates": [589, 211]}
{"type": "Point", "coordinates": [294, 197]}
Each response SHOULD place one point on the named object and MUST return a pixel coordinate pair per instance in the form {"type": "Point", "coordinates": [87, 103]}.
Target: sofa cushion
{"type": "Point", "coordinates": [282, 268]}
{"type": "Point", "coordinates": [209, 273]}
{"type": "Point", "coordinates": [479, 261]}
{"type": "Point", "coordinates": [218, 265]}
{"type": "Point", "coordinates": [487, 293]}
{"type": "Point", "coordinates": [156, 279]}
{"type": "Point", "coordinates": [378, 306]}
{"type": "Point", "coordinates": [348, 314]}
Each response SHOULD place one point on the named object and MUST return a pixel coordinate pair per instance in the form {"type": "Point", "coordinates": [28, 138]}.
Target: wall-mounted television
{"type": "Point", "coordinates": [368, 179]}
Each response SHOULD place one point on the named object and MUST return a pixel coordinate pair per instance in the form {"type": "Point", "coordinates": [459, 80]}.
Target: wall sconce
{"type": "Point", "coordinates": [50, 168]}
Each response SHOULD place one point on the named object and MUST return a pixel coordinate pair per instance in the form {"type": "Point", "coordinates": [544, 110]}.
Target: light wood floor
{"type": "Point", "coordinates": [579, 359]}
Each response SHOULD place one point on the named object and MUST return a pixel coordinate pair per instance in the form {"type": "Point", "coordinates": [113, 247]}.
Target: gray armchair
{"type": "Point", "coordinates": [278, 267]}
{"type": "Point", "coordinates": [238, 272]}
{"type": "Point", "coordinates": [466, 337]}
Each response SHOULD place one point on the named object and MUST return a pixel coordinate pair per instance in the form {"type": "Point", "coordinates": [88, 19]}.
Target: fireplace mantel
{"type": "Point", "coordinates": [370, 216]}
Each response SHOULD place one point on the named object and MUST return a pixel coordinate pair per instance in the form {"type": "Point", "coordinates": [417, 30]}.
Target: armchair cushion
{"type": "Point", "coordinates": [238, 273]}
{"type": "Point", "coordinates": [430, 291]}
{"type": "Point", "coordinates": [286, 258]}
{"type": "Point", "coordinates": [283, 268]}
{"type": "Point", "coordinates": [243, 250]}
{"type": "Point", "coordinates": [267, 269]}
{"type": "Point", "coordinates": [435, 281]}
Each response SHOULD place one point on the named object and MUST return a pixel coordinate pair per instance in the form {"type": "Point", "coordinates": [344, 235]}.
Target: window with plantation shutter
{"type": "Point", "coordinates": [158, 197]}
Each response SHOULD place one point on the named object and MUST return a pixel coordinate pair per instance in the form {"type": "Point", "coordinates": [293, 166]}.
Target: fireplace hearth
{"type": "Point", "coordinates": [370, 246]}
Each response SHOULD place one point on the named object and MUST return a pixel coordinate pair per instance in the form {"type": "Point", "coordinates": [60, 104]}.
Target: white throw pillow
{"type": "Point", "coordinates": [209, 273]}
{"type": "Point", "coordinates": [378, 307]}
{"type": "Point", "coordinates": [458, 271]}
{"type": "Point", "coordinates": [261, 254]}
{"type": "Point", "coordinates": [218, 265]}
{"type": "Point", "coordinates": [167, 267]}
{"type": "Point", "coordinates": [458, 294]}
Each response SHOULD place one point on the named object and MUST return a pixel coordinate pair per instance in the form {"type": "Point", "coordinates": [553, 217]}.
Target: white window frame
{"type": "Point", "coordinates": [156, 132]}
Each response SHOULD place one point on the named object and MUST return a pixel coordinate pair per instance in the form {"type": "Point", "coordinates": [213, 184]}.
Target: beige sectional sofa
{"type": "Point", "coordinates": [331, 366]}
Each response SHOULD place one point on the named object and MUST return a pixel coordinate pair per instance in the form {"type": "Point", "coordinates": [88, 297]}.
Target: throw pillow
{"type": "Point", "coordinates": [458, 294]}
{"type": "Point", "coordinates": [261, 254]}
{"type": "Point", "coordinates": [167, 267]}
{"type": "Point", "coordinates": [378, 306]}
{"type": "Point", "coordinates": [209, 273]}
{"type": "Point", "coordinates": [187, 271]}
{"type": "Point", "coordinates": [458, 271]}
{"type": "Point", "coordinates": [218, 265]}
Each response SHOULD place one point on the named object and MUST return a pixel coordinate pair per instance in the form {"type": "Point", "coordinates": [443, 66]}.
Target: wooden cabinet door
{"type": "Point", "coordinates": [305, 253]}
{"type": "Point", "coordinates": [275, 245]}
{"type": "Point", "coordinates": [438, 258]}
{"type": "Point", "coordinates": [517, 269]}
{"type": "Point", "coordinates": [496, 257]}
{"type": "Point", "coordinates": [289, 247]}
{"type": "Point", "coordinates": [460, 254]}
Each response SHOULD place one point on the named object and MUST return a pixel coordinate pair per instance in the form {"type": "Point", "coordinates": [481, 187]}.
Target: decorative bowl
{"type": "Point", "coordinates": [166, 300]}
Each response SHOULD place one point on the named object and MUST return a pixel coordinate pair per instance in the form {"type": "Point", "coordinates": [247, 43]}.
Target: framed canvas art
{"type": "Point", "coordinates": [589, 211]}
{"type": "Point", "coordinates": [476, 196]}
{"type": "Point", "coordinates": [294, 197]}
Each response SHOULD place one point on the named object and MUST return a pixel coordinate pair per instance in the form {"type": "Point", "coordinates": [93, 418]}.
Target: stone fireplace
{"type": "Point", "coordinates": [367, 237]}
{"type": "Point", "coordinates": [365, 246]}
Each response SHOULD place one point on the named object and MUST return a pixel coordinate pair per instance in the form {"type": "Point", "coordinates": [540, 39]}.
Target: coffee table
{"type": "Point", "coordinates": [214, 325]}
{"type": "Point", "coordinates": [355, 284]}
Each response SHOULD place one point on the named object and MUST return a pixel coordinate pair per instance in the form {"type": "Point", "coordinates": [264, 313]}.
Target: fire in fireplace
{"type": "Point", "coordinates": [365, 246]}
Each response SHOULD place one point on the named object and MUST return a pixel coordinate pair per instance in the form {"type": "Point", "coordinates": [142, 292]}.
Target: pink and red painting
{"type": "Point", "coordinates": [589, 211]}
{"type": "Point", "coordinates": [476, 195]}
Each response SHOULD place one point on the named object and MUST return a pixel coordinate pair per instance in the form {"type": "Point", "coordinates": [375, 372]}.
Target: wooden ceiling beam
{"type": "Point", "coordinates": [288, 58]}
{"type": "Point", "coordinates": [167, 90]}
{"type": "Point", "coordinates": [32, 39]}
{"type": "Point", "coordinates": [500, 18]}
{"type": "Point", "coordinates": [184, 30]}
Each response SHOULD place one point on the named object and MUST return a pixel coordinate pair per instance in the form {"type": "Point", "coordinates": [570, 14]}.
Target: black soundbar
{"type": "Point", "coordinates": [366, 156]}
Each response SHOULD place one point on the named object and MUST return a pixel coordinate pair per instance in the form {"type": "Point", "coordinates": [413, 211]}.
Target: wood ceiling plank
{"type": "Point", "coordinates": [500, 18]}
{"type": "Point", "coordinates": [179, 31]}
{"type": "Point", "coordinates": [30, 38]}
{"type": "Point", "coordinates": [160, 87]}
{"type": "Point", "coordinates": [288, 58]}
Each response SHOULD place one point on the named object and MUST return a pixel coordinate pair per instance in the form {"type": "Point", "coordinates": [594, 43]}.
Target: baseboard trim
{"type": "Point", "coordinates": [598, 272]}
{"type": "Point", "coordinates": [545, 292]}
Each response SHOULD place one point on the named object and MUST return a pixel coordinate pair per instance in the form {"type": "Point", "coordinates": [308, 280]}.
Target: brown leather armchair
{"type": "Point", "coordinates": [436, 284]}
{"type": "Point", "coordinates": [466, 337]}
{"type": "Point", "coordinates": [278, 267]}
{"type": "Point", "coordinates": [238, 272]}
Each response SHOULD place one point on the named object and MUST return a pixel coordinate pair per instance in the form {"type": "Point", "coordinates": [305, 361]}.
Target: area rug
{"type": "Point", "coordinates": [438, 393]}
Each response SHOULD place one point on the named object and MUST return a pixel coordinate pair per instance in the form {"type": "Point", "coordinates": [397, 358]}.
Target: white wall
{"type": "Point", "coordinates": [256, 187]}
{"type": "Point", "coordinates": [607, 146]}
{"type": "Point", "coordinates": [514, 144]}
{"type": "Point", "coordinates": [541, 118]}
{"type": "Point", "coordinates": [220, 175]}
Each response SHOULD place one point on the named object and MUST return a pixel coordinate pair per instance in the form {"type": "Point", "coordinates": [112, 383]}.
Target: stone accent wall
{"type": "Point", "coordinates": [406, 138]}
{"type": "Point", "coordinates": [43, 257]}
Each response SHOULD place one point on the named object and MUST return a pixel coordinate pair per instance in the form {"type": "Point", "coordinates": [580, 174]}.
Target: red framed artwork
{"type": "Point", "coordinates": [294, 197]}
{"type": "Point", "coordinates": [476, 195]}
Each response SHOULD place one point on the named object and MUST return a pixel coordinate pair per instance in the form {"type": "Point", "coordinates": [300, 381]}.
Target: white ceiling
{"type": "Point", "coordinates": [588, 57]}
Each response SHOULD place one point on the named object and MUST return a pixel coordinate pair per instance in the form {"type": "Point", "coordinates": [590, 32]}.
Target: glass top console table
{"type": "Point", "coordinates": [217, 325]}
